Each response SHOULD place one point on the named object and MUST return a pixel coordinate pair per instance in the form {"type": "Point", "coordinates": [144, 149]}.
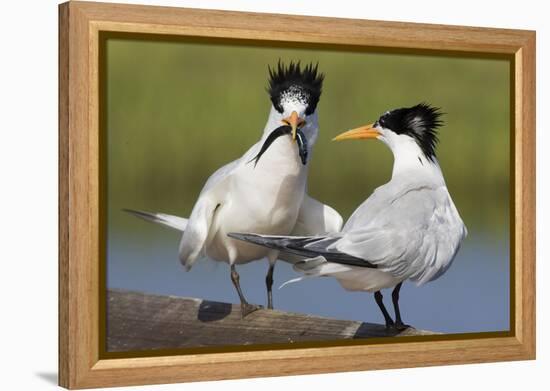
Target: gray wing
{"type": "Point", "coordinates": [414, 234]}
{"type": "Point", "coordinates": [174, 222]}
{"type": "Point", "coordinates": [305, 246]}
{"type": "Point", "coordinates": [314, 218]}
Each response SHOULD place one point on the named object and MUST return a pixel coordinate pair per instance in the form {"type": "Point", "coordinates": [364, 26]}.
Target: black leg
{"type": "Point", "coordinates": [379, 300]}
{"type": "Point", "coordinates": [399, 325]}
{"type": "Point", "coordinates": [269, 285]}
{"type": "Point", "coordinates": [246, 308]}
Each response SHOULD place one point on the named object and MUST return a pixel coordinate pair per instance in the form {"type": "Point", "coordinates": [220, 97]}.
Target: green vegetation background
{"type": "Point", "coordinates": [177, 111]}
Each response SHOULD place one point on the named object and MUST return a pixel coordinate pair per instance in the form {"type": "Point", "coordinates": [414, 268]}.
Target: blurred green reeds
{"type": "Point", "coordinates": [177, 111]}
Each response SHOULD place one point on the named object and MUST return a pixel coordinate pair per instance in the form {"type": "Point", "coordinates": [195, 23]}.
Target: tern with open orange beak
{"type": "Point", "coordinates": [408, 229]}
{"type": "Point", "coordinates": [264, 190]}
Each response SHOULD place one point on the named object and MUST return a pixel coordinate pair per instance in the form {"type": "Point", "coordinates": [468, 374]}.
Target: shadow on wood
{"type": "Point", "coordinates": [141, 321]}
{"type": "Point", "coordinates": [210, 311]}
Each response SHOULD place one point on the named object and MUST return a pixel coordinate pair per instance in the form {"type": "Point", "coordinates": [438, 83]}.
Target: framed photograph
{"type": "Point", "coordinates": [213, 226]}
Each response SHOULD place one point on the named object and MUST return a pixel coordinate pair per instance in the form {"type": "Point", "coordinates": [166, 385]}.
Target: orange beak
{"type": "Point", "coordinates": [362, 132]}
{"type": "Point", "coordinates": [295, 122]}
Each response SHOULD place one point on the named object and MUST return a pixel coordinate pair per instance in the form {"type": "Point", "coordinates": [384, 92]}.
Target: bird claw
{"type": "Point", "coordinates": [397, 327]}
{"type": "Point", "coordinates": [400, 326]}
{"type": "Point", "coordinates": [247, 309]}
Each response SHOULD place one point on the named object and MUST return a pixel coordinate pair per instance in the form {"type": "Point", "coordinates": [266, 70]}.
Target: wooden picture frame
{"type": "Point", "coordinates": [81, 364]}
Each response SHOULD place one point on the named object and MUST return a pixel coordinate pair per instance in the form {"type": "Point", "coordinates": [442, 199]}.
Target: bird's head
{"type": "Point", "coordinates": [294, 92]}
{"type": "Point", "coordinates": [417, 123]}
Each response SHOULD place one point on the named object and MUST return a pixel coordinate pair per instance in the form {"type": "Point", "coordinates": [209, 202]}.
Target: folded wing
{"type": "Point", "coordinates": [314, 218]}
{"type": "Point", "coordinates": [415, 236]}
{"type": "Point", "coordinates": [305, 246]}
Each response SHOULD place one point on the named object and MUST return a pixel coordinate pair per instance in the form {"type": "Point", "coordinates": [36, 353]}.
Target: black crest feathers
{"type": "Point", "coordinates": [295, 82]}
{"type": "Point", "coordinates": [420, 122]}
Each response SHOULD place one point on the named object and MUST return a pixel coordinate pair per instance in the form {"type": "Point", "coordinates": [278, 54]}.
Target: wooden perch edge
{"type": "Point", "coordinates": [142, 321]}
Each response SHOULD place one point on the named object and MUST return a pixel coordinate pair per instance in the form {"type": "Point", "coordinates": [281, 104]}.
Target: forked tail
{"type": "Point", "coordinates": [174, 222]}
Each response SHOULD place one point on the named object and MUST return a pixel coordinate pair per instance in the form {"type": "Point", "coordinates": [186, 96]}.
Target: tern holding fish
{"type": "Point", "coordinates": [265, 190]}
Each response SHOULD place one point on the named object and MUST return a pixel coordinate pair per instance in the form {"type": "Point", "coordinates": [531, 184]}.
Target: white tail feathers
{"type": "Point", "coordinates": [292, 281]}
{"type": "Point", "coordinates": [174, 222]}
{"type": "Point", "coordinates": [312, 267]}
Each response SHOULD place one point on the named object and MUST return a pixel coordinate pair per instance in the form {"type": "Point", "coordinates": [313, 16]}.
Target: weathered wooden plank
{"type": "Point", "coordinates": [141, 321]}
